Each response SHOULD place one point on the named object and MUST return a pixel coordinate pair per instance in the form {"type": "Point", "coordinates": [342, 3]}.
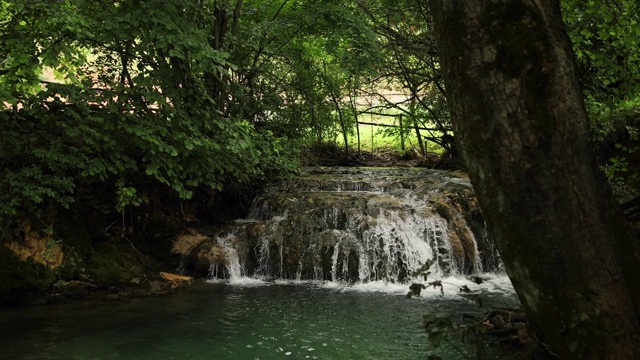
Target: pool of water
{"type": "Point", "coordinates": [246, 320]}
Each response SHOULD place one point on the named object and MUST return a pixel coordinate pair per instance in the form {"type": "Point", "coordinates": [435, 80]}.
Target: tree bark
{"type": "Point", "coordinates": [521, 125]}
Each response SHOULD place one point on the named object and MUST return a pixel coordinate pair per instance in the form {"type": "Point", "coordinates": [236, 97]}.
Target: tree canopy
{"type": "Point", "coordinates": [137, 94]}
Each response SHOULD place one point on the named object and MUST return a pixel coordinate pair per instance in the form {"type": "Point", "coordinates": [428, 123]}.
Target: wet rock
{"type": "Point", "coordinates": [207, 254]}
{"type": "Point", "coordinates": [37, 246]}
{"type": "Point", "coordinates": [184, 243]}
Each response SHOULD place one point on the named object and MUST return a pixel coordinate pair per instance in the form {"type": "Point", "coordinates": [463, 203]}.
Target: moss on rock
{"type": "Point", "coordinates": [21, 280]}
{"type": "Point", "coordinates": [113, 264]}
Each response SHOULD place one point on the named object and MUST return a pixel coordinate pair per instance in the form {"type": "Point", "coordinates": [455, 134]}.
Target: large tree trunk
{"type": "Point", "coordinates": [522, 128]}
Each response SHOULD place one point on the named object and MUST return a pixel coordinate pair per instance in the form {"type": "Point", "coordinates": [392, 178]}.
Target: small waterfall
{"type": "Point", "coordinates": [356, 225]}
{"type": "Point", "coordinates": [234, 268]}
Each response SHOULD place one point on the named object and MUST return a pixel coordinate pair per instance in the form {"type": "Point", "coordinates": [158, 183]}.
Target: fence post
{"type": "Point", "coordinates": [401, 136]}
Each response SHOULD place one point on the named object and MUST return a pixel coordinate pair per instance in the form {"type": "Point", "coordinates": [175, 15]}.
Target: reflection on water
{"type": "Point", "coordinates": [219, 321]}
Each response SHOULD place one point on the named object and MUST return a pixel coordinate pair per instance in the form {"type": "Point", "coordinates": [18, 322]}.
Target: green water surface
{"type": "Point", "coordinates": [220, 321]}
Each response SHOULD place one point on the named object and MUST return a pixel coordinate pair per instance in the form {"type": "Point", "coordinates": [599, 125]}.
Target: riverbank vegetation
{"type": "Point", "coordinates": [124, 121]}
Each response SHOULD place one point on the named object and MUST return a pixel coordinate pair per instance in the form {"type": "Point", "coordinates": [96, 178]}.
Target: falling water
{"type": "Point", "coordinates": [358, 226]}
{"type": "Point", "coordinates": [234, 268]}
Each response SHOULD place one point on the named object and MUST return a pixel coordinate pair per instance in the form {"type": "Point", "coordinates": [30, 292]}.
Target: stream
{"type": "Point", "coordinates": [319, 269]}
{"type": "Point", "coordinates": [247, 320]}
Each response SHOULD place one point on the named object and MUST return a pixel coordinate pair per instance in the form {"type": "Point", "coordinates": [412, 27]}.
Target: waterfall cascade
{"type": "Point", "coordinates": [353, 225]}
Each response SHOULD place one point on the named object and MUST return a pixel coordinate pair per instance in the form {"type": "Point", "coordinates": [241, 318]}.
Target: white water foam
{"type": "Point", "coordinates": [451, 286]}
{"type": "Point", "coordinates": [498, 284]}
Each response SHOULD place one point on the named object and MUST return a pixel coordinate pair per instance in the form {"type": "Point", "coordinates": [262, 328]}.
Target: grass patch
{"type": "Point", "coordinates": [387, 135]}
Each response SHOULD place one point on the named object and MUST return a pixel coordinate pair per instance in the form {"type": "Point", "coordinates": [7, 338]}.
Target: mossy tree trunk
{"type": "Point", "coordinates": [521, 125]}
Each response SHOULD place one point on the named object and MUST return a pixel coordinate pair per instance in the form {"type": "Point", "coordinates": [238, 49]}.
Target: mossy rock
{"type": "Point", "coordinates": [113, 264]}
{"type": "Point", "coordinates": [73, 265]}
{"type": "Point", "coordinates": [158, 236]}
{"type": "Point", "coordinates": [20, 279]}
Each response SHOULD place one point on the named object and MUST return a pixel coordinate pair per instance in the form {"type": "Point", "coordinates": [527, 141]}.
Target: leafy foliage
{"type": "Point", "coordinates": [129, 109]}
{"type": "Point", "coordinates": [605, 37]}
